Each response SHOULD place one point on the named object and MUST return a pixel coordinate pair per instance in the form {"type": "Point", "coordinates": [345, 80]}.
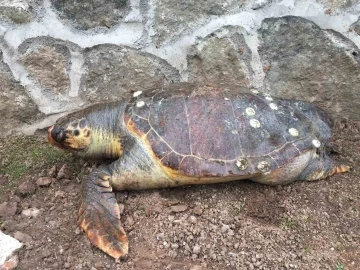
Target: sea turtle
{"type": "Point", "coordinates": [188, 134]}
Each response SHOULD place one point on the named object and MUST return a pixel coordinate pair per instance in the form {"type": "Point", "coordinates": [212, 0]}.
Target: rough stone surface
{"type": "Point", "coordinates": [22, 237]}
{"type": "Point", "coordinates": [18, 11]}
{"type": "Point", "coordinates": [223, 56]}
{"type": "Point", "coordinates": [89, 14]}
{"type": "Point", "coordinates": [113, 71]}
{"type": "Point", "coordinates": [49, 68]}
{"type": "Point", "coordinates": [8, 246]}
{"type": "Point", "coordinates": [173, 18]}
{"type": "Point", "coordinates": [303, 61]}
{"type": "Point", "coordinates": [16, 107]}
{"type": "Point", "coordinates": [27, 188]}
{"type": "Point", "coordinates": [8, 209]}
{"type": "Point", "coordinates": [44, 181]}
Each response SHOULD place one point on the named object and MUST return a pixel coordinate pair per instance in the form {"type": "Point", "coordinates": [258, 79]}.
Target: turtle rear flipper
{"type": "Point", "coordinates": [321, 167]}
{"type": "Point", "coordinates": [99, 215]}
{"type": "Point", "coordinates": [308, 166]}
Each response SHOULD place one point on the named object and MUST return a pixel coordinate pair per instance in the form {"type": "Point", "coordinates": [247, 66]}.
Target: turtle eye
{"type": "Point", "coordinates": [58, 134]}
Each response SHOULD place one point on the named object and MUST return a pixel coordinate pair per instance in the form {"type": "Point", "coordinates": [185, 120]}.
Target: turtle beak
{"type": "Point", "coordinates": [56, 136]}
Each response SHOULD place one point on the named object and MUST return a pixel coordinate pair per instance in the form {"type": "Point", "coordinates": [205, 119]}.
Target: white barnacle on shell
{"type": "Point", "coordinates": [140, 103]}
{"type": "Point", "coordinates": [293, 132]}
{"type": "Point", "coordinates": [242, 164]}
{"type": "Point", "coordinates": [268, 98]}
{"type": "Point", "coordinates": [273, 106]}
{"type": "Point", "coordinates": [316, 143]}
{"type": "Point", "coordinates": [254, 91]}
{"type": "Point", "coordinates": [263, 166]}
{"type": "Point", "coordinates": [250, 111]}
{"type": "Point", "coordinates": [137, 93]}
{"type": "Point", "coordinates": [255, 123]}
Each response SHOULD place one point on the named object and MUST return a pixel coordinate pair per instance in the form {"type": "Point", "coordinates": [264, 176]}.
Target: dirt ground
{"type": "Point", "coordinates": [239, 225]}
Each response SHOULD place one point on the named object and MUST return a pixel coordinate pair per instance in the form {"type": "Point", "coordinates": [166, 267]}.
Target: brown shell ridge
{"type": "Point", "coordinates": [237, 128]}
{"type": "Point", "coordinates": [282, 147]}
{"type": "Point", "coordinates": [147, 119]}
{"type": "Point", "coordinates": [188, 123]}
{"type": "Point", "coordinates": [296, 148]}
{"type": "Point", "coordinates": [187, 118]}
{"type": "Point", "coordinates": [273, 159]}
{"type": "Point", "coordinates": [167, 155]}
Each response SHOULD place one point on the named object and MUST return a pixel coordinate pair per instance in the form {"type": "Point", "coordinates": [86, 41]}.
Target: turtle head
{"type": "Point", "coordinates": [70, 133]}
{"type": "Point", "coordinates": [94, 132]}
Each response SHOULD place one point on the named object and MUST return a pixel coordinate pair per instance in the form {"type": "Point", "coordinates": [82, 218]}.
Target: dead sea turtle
{"type": "Point", "coordinates": [190, 134]}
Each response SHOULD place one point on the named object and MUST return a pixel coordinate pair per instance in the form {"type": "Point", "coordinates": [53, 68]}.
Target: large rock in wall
{"type": "Point", "coordinates": [63, 55]}
{"type": "Point", "coordinates": [89, 14]}
{"type": "Point", "coordinates": [303, 61]}
{"type": "Point", "coordinates": [112, 71]}
{"type": "Point", "coordinates": [18, 11]}
{"type": "Point", "coordinates": [48, 67]}
{"type": "Point", "coordinates": [16, 107]}
{"type": "Point", "coordinates": [53, 70]}
{"type": "Point", "coordinates": [223, 56]}
{"type": "Point", "coordinates": [173, 18]}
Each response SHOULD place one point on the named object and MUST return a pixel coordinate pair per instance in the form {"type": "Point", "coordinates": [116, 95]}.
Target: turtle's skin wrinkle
{"type": "Point", "coordinates": [190, 134]}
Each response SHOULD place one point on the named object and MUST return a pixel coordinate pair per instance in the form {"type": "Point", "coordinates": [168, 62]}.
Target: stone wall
{"type": "Point", "coordinates": [61, 55]}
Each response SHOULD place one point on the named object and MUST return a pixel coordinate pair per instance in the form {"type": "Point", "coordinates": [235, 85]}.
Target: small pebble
{"type": "Point", "coordinates": [196, 249]}
{"type": "Point", "coordinates": [44, 181]}
{"type": "Point", "coordinates": [31, 212]}
{"type": "Point", "coordinates": [178, 208]}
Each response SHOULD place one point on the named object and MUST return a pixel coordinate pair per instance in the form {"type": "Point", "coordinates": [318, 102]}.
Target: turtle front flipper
{"type": "Point", "coordinates": [99, 215]}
